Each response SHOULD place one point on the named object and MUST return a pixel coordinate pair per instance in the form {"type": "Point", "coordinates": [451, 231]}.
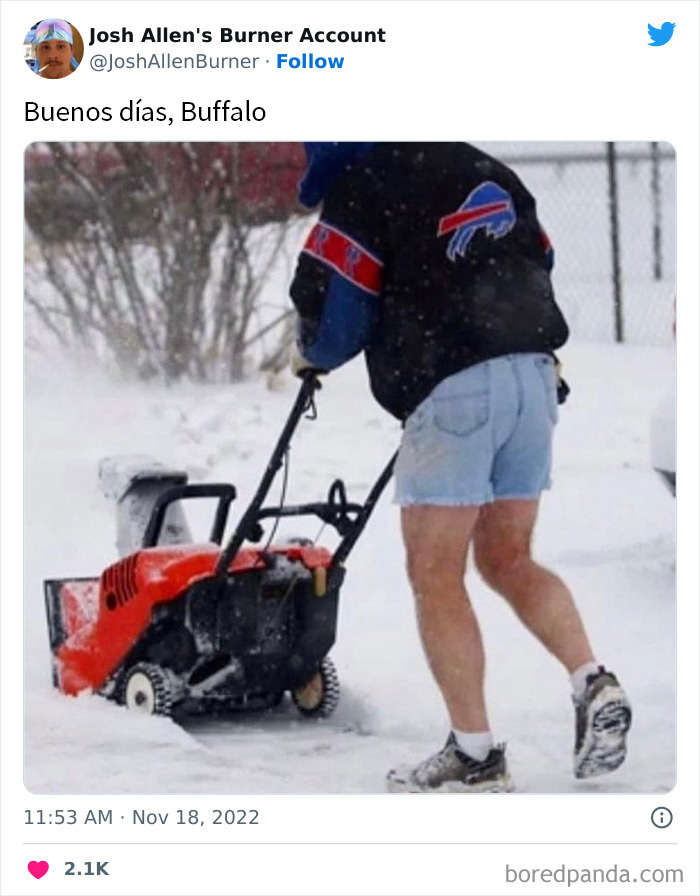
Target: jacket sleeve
{"type": "Point", "coordinates": [338, 280]}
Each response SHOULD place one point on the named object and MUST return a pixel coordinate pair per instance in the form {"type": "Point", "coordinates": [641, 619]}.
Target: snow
{"type": "Point", "coordinates": [607, 526]}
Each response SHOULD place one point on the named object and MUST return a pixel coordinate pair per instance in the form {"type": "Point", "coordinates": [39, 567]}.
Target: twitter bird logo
{"type": "Point", "coordinates": [662, 35]}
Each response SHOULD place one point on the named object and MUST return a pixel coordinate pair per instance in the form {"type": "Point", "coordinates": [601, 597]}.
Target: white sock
{"type": "Point", "coordinates": [579, 676]}
{"type": "Point", "coordinates": [476, 744]}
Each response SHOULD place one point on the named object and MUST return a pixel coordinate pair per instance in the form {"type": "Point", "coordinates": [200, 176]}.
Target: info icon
{"type": "Point", "coordinates": [661, 817]}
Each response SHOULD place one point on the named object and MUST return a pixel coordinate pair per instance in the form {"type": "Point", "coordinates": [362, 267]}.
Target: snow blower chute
{"type": "Point", "coordinates": [179, 628]}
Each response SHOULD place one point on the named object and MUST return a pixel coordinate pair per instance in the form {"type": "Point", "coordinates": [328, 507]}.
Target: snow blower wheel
{"type": "Point", "coordinates": [319, 697]}
{"type": "Point", "coordinates": [147, 690]}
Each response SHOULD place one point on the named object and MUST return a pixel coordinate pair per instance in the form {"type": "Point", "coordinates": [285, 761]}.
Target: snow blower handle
{"type": "Point", "coordinates": [224, 492]}
{"type": "Point", "coordinates": [355, 529]}
{"type": "Point", "coordinates": [304, 401]}
{"type": "Point", "coordinates": [335, 511]}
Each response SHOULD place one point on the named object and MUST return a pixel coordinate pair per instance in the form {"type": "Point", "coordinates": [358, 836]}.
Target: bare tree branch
{"type": "Point", "coordinates": [161, 263]}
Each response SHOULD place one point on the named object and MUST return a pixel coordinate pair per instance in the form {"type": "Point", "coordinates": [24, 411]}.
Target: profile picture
{"type": "Point", "coordinates": [53, 48]}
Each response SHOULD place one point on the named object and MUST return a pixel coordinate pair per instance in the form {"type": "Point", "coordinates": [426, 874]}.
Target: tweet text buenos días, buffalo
{"type": "Point", "coordinates": [136, 111]}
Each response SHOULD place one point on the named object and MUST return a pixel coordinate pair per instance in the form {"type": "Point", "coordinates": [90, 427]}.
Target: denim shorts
{"type": "Point", "coordinates": [483, 434]}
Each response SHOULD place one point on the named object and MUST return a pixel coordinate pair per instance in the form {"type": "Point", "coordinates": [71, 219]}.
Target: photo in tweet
{"type": "Point", "coordinates": [200, 623]}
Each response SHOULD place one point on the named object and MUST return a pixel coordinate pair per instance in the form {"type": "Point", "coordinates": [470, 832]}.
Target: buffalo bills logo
{"type": "Point", "coordinates": [339, 252]}
{"type": "Point", "coordinates": [353, 256]}
{"type": "Point", "coordinates": [319, 237]}
{"type": "Point", "coordinates": [488, 207]}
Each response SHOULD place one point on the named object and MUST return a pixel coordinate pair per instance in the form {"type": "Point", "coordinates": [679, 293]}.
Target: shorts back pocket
{"type": "Point", "coordinates": [461, 402]}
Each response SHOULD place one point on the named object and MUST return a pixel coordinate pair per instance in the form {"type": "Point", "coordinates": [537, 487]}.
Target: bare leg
{"type": "Point", "coordinates": [437, 541]}
{"type": "Point", "coordinates": [502, 551]}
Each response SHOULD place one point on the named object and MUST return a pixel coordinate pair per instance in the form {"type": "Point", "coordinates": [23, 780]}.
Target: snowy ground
{"type": "Point", "coordinates": [608, 527]}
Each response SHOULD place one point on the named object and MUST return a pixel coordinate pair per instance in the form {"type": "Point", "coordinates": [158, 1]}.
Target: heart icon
{"type": "Point", "coordinates": [38, 869]}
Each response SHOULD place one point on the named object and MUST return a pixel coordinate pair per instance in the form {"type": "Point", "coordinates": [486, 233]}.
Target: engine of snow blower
{"type": "Point", "coordinates": [178, 628]}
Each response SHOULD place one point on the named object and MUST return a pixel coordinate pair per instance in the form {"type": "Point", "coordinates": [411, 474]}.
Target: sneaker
{"type": "Point", "coordinates": [452, 771]}
{"type": "Point", "coordinates": [603, 718]}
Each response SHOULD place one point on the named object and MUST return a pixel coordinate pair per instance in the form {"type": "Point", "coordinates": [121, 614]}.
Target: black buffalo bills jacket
{"type": "Point", "coordinates": [427, 256]}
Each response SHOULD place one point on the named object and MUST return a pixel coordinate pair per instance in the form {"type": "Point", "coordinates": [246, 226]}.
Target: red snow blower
{"type": "Point", "coordinates": [176, 629]}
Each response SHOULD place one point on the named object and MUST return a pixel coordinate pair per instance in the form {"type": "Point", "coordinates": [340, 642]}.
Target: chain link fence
{"type": "Point", "coordinates": [610, 211]}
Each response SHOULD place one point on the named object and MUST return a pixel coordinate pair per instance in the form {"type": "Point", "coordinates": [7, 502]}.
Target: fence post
{"type": "Point", "coordinates": [656, 209]}
{"type": "Point", "coordinates": [613, 205]}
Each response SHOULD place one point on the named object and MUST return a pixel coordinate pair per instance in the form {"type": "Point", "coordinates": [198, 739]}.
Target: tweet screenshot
{"type": "Point", "coordinates": [341, 546]}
